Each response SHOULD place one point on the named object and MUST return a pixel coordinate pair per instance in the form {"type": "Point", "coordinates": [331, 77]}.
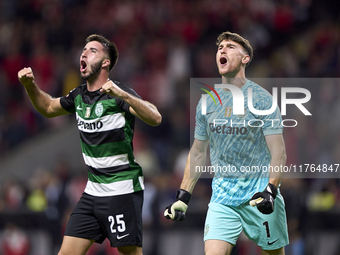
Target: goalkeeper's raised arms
{"type": "Point", "coordinates": [177, 210]}
{"type": "Point", "coordinates": [264, 201]}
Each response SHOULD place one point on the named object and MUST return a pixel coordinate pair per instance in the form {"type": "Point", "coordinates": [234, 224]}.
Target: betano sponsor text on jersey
{"type": "Point", "coordinates": [221, 126]}
{"type": "Point", "coordinates": [95, 125]}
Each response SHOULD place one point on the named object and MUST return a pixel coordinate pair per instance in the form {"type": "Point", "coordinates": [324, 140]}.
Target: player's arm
{"type": "Point", "coordinates": [196, 157]}
{"type": "Point", "coordinates": [265, 200]}
{"type": "Point", "coordinates": [42, 102]}
{"type": "Point", "coordinates": [140, 108]}
{"type": "Point", "coordinates": [277, 150]}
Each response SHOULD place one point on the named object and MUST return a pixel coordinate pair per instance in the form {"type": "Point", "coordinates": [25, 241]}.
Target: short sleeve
{"type": "Point", "coordinates": [271, 122]}
{"type": "Point", "coordinates": [120, 102]}
{"type": "Point", "coordinates": [67, 102]}
{"type": "Point", "coordinates": [200, 124]}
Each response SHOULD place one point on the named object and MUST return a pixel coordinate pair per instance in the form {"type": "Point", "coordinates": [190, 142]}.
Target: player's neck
{"type": "Point", "coordinates": [97, 82]}
{"type": "Point", "coordinates": [238, 79]}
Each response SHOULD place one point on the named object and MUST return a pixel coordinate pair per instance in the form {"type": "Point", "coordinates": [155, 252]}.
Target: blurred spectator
{"type": "Point", "coordinates": [14, 241]}
{"type": "Point", "coordinates": [293, 192]}
{"type": "Point", "coordinates": [14, 195]}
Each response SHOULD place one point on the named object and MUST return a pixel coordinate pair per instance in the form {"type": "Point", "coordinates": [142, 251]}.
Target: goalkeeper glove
{"type": "Point", "coordinates": [176, 211]}
{"type": "Point", "coordinates": [264, 201]}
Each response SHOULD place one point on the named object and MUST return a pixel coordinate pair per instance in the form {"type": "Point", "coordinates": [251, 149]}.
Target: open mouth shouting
{"type": "Point", "coordinates": [223, 61]}
{"type": "Point", "coordinates": [83, 66]}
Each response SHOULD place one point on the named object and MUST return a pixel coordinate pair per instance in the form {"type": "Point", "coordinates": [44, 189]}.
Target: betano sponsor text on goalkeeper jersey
{"type": "Point", "coordinates": [106, 129]}
{"type": "Point", "coordinates": [238, 143]}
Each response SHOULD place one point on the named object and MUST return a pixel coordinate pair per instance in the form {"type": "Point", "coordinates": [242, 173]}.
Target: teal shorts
{"type": "Point", "coordinates": [269, 231]}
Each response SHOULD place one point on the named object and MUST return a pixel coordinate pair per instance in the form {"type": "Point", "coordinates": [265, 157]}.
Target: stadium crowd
{"type": "Point", "coordinates": [163, 44]}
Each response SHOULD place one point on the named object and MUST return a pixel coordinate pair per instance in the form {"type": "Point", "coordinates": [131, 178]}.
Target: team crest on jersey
{"type": "Point", "coordinates": [88, 112]}
{"type": "Point", "coordinates": [228, 111]}
{"type": "Point", "coordinates": [99, 109]}
{"type": "Point", "coordinates": [206, 229]}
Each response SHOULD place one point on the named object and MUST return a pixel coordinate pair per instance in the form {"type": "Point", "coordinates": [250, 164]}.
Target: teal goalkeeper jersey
{"type": "Point", "coordinates": [239, 154]}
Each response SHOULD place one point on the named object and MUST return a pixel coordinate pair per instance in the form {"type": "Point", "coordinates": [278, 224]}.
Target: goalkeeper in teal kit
{"type": "Point", "coordinates": [244, 148]}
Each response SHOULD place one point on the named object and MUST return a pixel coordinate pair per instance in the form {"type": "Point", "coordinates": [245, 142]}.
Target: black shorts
{"type": "Point", "coordinates": [118, 218]}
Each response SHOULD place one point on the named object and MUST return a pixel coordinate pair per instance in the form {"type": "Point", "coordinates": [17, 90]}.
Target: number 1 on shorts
{"type": "Point", "coordinates": [267, 228]}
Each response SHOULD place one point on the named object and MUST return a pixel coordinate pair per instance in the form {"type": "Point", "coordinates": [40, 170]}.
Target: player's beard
{"type": "Point", "coordinates": [95, 70]}
{"type": "Point", "coordinates": [231, 72]}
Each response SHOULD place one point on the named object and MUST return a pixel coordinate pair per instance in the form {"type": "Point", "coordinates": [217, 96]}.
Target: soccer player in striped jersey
{"type": "Point", "coordinates": [241, 200]}
{"type": "Point", "coordinates": [111, 205]}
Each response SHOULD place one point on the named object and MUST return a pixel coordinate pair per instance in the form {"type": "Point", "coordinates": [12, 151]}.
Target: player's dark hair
{"type": "Point", "coordinates": [109, 47]}
{"type": "Point", "coordinates": [238, 39]}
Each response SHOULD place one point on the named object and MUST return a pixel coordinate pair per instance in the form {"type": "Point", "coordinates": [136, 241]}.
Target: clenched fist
{"type": "Point", "coordinates": [177, 210]}
{"type": "Point", "coordinates": [112, 89]}
{"type": "Point", "coordinates": [264, 201]}
{"type": "Point", "coordinates": [26, 76]}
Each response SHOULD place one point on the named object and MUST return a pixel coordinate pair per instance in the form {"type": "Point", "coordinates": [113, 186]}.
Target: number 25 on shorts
{"type": "Point", "coordinates": [117, 223]}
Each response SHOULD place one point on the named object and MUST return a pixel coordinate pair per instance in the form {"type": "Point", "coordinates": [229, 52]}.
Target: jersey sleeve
{"type": "Point", "coordinates": [67, 102]}
{"type": "Point", "coordinates": [271, 122]}
{"type": "Point", "coordinates": [200, 125]}
{"type": "Point", "coordinates": [120, 102]}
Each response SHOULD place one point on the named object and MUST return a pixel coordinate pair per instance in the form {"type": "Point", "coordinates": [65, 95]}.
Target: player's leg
{"type": "Point", "coordinates": [120, 218]}
{"type": "Point", "coordinates": [222, 229]}
{"type": "Point", "coordinates": [82, 228]}
{"type": "Point", "coordinates": [217, 247]}
{"type": "Point", "coordinates": [74, 246]}
{"type": "Point", "coordinates": [280, 251]}
{"type": "Point", "coordinates": [130, 250]}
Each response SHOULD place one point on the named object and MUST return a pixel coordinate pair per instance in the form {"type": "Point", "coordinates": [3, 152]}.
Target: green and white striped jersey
{"type": "Point", "coordinates": [106, 129]}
